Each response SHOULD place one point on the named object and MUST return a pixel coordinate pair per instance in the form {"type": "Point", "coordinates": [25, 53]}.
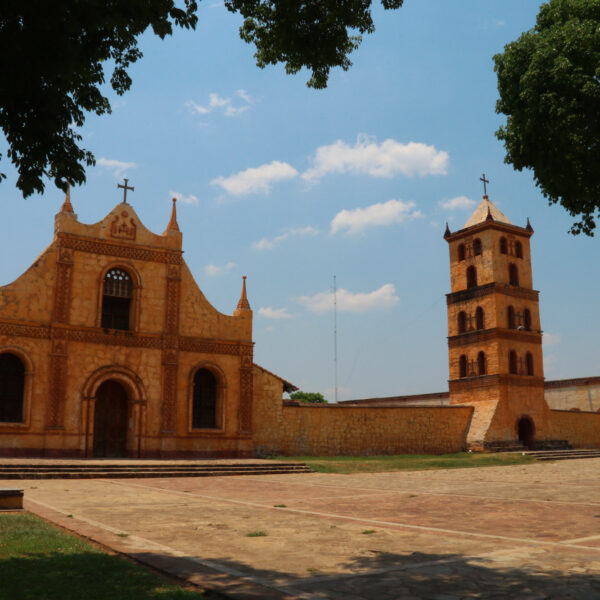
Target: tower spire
{"type": "Point", "coordinates": [173, 226]}
{"type": "Point", "coordinates": [243, 304]}
{"type": "Point", "coordinates": [67, 207]}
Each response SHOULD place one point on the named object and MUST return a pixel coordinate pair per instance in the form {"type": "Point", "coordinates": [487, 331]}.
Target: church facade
{"type": "Point", "coordinates": [109, 348]}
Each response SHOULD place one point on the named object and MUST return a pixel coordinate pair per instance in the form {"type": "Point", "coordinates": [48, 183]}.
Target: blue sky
{"type": "Point", "coordinates": [290, 185]}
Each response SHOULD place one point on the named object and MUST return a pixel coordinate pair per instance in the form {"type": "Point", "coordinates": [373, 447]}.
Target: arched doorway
{"type": "Point", "coordinates": [526, 432]}
{"type": "Point", "coordinates": [110, 420]}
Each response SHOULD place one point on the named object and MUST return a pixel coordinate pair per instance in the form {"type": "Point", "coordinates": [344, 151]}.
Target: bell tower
{"type": "Point", "coordinates": [494, 332]}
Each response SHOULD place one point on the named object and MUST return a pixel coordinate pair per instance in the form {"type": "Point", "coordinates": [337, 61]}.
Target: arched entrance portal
{"type": "Point", "coordinates": [110, 420]}
{"type": "Point", "coordinates": [526, 432]}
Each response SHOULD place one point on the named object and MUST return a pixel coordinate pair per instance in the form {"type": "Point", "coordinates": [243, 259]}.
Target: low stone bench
{"type": "Point", "coordinates": [11, 499]}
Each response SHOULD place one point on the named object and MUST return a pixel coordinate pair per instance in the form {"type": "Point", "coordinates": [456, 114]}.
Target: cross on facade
{"type": "Point", "coordinates": [125, 187]}
{"type": "Point", "coordinates": [480, 179]}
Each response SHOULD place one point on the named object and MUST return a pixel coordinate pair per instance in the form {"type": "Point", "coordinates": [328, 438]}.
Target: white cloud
{"type": "Point", "coordinates": [258, 179]}
{"type": "Point", "coordinates": [216, 271]}
{"type": "Point", "coordinates": [384, 297]}
{"type": "Point", "coordinates": [189, 199]}
{"type": "Point", "coordinates": [550, 339]}
{"type": "Point", "coordinates": [216, 102]}
{"type": "Point", "coordinates": [384, 213]}
{"type": "Point", "coordinates": [269, 244]}
{"type": "Point", "coordinates": [118, 167]}
{"type": "Point", "coordinates": [274, 313]}
{"type": "Point", "coordinates": [458, 203]}
{"type": "Point", "coordinates": [387, 159]}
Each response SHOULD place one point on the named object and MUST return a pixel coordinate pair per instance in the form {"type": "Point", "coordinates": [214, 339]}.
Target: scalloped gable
{"type": "Point", "coordinates": [121, 225]}
{"type": "Point", "coordinates": [480, 214]}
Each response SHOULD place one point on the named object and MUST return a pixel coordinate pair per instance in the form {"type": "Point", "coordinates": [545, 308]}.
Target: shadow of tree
{"type": "Point", "coordinates": [84, 575]}
{"type": "Point", "coordinates": [543, 575]}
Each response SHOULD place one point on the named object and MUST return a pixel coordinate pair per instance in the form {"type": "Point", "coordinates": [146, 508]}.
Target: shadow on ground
{"type": "Point", "coordinates": [444, 576]}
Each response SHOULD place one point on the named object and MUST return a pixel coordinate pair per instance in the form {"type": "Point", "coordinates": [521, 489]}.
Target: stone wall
{"type": "Point", "coordinates": [574, 394]}
{"type": "Point", "coordinates": [330, 430]}
{"type": "Point", "coordinates": [581, 429]}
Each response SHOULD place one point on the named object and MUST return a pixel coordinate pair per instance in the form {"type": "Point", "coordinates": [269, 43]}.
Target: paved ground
{"type": "Point", "coordinates": [526, 532]}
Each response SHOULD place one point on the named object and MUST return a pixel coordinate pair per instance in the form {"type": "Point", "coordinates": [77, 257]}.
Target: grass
{"type": "Point", "coordinates": [38, 560]}
{"type": "Point", "coordinates": [409, 462]}
{"type": "Point", "coordinates": [256, 534]}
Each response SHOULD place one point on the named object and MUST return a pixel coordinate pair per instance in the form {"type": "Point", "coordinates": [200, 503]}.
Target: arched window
{"type": "Point", "coordinates": [512, 362]}
{"type": "Point", "coordinates": [477, 247]}
{"type": "Point", "coordinates": [462, 321]}
{"type": "Point", "coordinates": [529, 361]}
{"type": "Point", "coordinates": [527, 319]}
{"type": "Point", "coordinates": [204, 404]}
{"type": "Point", "coordinates": [463, 365]}
{"type": "Point", "coordinates": [503, 246]}
{"type": "Point", "coordinates": [481, 363]}
{"type": "Point", "coordinates": [12, 388]}
{"type": "Point", "coordinates": [471, 277]}
{"type": "Point", "coordinates": [479, 318]}
{"type": "Point", "coordinates": [511, 317]}
{"type": "Point", "coordinates": [518, 249]}
{"type": "Point", "coordinates": [513, 274]}
{"type": "Point", "coordinates": [116, 299]}
{"type": "Point", "coordinates": [461, 252]}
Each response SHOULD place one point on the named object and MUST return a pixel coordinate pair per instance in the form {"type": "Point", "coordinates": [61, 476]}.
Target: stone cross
{"type": "Point", "coordinates": [480, 179]}
{"type": "Point", "coordinates": [125, 187]}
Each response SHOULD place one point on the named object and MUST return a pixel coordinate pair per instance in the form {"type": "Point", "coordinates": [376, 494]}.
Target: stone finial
{"type": "Point", "coordinates": [67, 207]}
{"type": "Point", "coordinates": [447, 233]}
{"type": "Point", "coordinates": [173, 226]}
{"type": "Point", "coordinates": [243, 304]}
{"type": "Point", "coordinates": [528, 226]}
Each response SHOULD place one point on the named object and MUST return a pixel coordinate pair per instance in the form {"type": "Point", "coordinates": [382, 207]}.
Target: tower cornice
{"type": "Point", "coordinates": [488, 224]}
{"type": "Point", "coordinates": [492, 288]}
{"type": "Point", "coordinates": [494, 333]}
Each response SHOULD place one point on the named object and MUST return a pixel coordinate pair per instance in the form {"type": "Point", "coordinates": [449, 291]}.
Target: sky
{"type": "Point", "coordinates": [291, 186]}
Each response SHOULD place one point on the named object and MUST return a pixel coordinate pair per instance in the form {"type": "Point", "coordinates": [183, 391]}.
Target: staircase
{"type": "Point", "coordinates": [115, 470]}
{"type": "Point", "coordinates": [562, 454]}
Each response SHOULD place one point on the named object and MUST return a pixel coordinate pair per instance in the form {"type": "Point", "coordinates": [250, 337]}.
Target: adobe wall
{"type": "Point", "coordinates": [330, 430]}
{"type": "Point", "coordinates": [581, 429]}
{"type": "Point", "coordinates": [582, 394]}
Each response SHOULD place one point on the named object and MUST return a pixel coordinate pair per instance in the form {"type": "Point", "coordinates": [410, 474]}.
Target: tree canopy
{"type": "Point", "coordinates": [308, 397]}
{"type": "Point", "coordinates": [549, 85]}
{"type": "Point", "coordinates": [54, 57]}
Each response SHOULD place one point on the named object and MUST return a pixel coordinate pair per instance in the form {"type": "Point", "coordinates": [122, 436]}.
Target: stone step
{"type": "Point", "coordinates": [128, 473]}
{"type": "Point", "coordinates": [142, 468]}
{"type": "Point", "coordinates": [546, 455]}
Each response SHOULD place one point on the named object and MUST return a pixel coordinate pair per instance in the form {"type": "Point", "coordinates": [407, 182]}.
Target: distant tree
{"type": "Point", "coordinates": [308, 397]}
{"type": "Point", "coordinates": [53, 55]}
{"type": "Point", "coordinates": [548, 81]}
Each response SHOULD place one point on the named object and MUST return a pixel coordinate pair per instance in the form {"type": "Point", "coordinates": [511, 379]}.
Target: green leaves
{"type": "Point", "coordinates": [550, 91]}
{"type": "Point", "coordinates": [53, 60]}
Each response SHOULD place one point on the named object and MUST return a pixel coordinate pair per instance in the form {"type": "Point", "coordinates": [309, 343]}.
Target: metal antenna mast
{"type": "Point", "coordinates": [335, 358]}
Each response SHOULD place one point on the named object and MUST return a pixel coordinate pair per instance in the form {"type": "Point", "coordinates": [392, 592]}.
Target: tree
{"type": "Point", "coordinates": [54, 57]}
{"type": "Point", "coordinates": [308, 397]}
{"type": "Point", "coordinates": [548, 81]}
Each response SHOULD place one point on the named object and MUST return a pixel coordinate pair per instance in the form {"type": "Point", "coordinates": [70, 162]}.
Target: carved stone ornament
{"type": "Point", "coordinates": [123, 226]}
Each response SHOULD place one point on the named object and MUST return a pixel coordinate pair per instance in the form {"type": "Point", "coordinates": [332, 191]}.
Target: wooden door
{"type": "Point", "coordinates": [110, 421]}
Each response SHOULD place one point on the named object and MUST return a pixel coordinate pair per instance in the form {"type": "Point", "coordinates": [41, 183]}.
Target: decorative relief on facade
{"type": "Point", "coordinates": [123, 226]}
{"type": "Point", "coordinates": [169, 407]}
{"type": "Point", "coordinates": [62, 289]}
{"type": "Point", "coordinates": [192, 345]}
{"type": "Point", "coordinates": [172, 308]}
{"type": "Point", "coordinates": [110, 249]}
{"type": "Point", "coordinates": [57, 384]}
{"type": "Point", "coordinates": [12, 329]}
{"type": "Point", "coordinates": [245, 408]}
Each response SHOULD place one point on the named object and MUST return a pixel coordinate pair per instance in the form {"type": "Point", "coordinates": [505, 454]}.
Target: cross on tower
{"type": "Point", "coordinates": [480, 179]}
{"type": "Point", "coordinates": [125, 187]}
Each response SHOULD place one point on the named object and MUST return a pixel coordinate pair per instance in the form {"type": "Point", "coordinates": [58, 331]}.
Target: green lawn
{"type": "Point", "coordinates": [41, 562]}
{"type": "Point", "coordinates": [411, 462]}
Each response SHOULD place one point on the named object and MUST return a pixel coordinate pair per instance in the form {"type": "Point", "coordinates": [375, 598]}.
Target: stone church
{"type": "Point", "coordinates": [108, 348]}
